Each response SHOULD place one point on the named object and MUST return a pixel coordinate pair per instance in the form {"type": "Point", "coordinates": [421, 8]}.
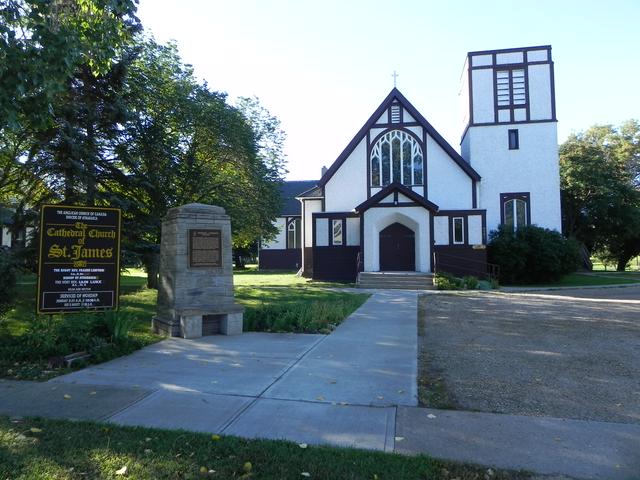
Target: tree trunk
{"type": "Point", "coordinates": [239, 261]}
{"type": "Point", "coordinates": [622, 262]}
{"type": "Point", "coordinates": [152, 266]}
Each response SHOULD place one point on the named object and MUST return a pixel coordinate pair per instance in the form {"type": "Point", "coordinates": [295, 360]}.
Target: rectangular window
{"type": "Point", "coordinates": [336, 232]}
{"type": "Point", "coordinates": [514, 140]}
{"type": "Point", "coordinates": [458, 230]}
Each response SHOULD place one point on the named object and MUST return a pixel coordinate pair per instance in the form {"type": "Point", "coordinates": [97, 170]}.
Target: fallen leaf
{"type": "Point", "coordinates": [247, 467]}
{"type": "Point", "coordinates": [67, 396]}
{"type": "Point", "coordinates": [215, 438]}
{"type": "Point", "coordinates": [431, 415]}
{"type": "Point", "coordinates": [204, 470]}
{"type": "Point", "coordinates": [305, 474]}
{"type": "Point", "coordinates": [35, 430]}
{"type": "Point", "coordinates": [303, 445]}
{"type": "Point", "coordinates": [122, 471]}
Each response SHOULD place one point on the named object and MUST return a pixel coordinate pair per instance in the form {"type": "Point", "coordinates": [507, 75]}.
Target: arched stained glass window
{"type": "Point", "coordinates": [515, 210]}
{"type": "Point", "coordinates": [396, 157]}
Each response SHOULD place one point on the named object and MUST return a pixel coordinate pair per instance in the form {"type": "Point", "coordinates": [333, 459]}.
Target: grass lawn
{"type": "Point", "coordinates": [633, 265]}
{"type": "Point", "coordinates": [583, 279]}
{"type": "Point", "coordinates": [48, 449]}
{"type": "Point", "coordinates": [251, 276]}
{"type": "Point", "coordinates": [274, 302]}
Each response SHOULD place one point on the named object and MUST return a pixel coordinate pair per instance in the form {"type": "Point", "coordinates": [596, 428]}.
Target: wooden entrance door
{"type": "Point", "coordinates": [397, 249]}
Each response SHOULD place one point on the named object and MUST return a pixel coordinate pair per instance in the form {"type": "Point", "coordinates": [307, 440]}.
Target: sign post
{"type": "Point", "coordinates": [79, 261]}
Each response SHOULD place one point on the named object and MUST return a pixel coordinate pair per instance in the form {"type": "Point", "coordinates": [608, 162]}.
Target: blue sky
{"type": "Point", "coordinates": [322, 67]}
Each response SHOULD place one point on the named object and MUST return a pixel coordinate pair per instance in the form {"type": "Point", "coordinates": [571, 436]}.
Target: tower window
{"type": "Point", "coordinates": [511, 87]}
{"type": "Point", "coordinates": [515, 210]}
{"type": "Point", "coordinates": [396, 157]}
{"type": "Point", "coordinates": [514, 140]}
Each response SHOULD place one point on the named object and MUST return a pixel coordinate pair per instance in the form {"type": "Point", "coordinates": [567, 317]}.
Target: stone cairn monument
{"type": "Point", "coordinates": [195, 292]}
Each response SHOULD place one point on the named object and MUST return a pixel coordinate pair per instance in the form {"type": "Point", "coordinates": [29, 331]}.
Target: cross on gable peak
{"type": "Point", "coordinates": [395, 76]}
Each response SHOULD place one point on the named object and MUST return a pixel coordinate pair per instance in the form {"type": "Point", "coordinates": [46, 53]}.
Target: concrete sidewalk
{"type": "Point", "coordinates": [355, 387]}
{"type": "Point", "coordinates": [340, 389]}
{"type": "Point", "coordinates": [547, 446]}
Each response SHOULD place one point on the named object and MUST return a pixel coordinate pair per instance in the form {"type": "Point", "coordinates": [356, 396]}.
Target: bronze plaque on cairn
{"type": "Point", "coordinates": [205, 248]}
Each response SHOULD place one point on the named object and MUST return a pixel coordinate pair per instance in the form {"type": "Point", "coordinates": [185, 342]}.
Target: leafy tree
{"type": "Point", "coordinates": [600, 181]}
{"type": "Point", "coordinates": [43, 43]}
{"type": "Point", "coordinates": [183, 143]}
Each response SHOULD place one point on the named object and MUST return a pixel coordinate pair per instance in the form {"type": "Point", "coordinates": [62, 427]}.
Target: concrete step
{"type": "Point", "coordinates": [396, 280]}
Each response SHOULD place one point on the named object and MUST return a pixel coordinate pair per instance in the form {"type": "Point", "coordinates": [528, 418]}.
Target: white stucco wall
{"type": "Point", "coordinates": [475, 229]}
{"type": "Point", "coordinates": [481, 60]}
{"type": "Point", "coordinates": [509, 57]}
{"type": "Point", "coordinates": [322, 232]}
{"type": "Point", "coordinates": [310, 207]}
{"type": "Point", "coordinates": [353, 231]}
{"type": "Point", "coordinates": [463, 95]}
{"type": "Point", "coordinates": [482, 95]}
{"type": "Point", "coordinates": [280, 242]}
{"type": "Point", "coordinates": [348, 186]}
{"type": "Point", "coordinates": [406, 116]}
{"type": "Point", "coordinates": [532, 168]}
{"type": "Point", "coordinates": [441, 230]}
{"type": "Point", "coordinates": [448, 186]}
{"type": "Point", "coordinates": [537, 55]}
{"type": "Point", "coordinates": [540, 92]}
{"type": "Point", "coordinates": [377, 219]}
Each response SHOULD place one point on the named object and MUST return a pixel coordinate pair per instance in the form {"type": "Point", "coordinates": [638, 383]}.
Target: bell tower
{"type": "Point", "coordinates": [510, 135]}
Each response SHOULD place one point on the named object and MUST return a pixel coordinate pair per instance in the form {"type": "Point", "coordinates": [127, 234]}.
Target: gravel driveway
{"type": "Point", "coordinates": [554, 356]}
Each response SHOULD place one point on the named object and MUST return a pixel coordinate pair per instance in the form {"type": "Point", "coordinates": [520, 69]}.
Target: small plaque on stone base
{"type": "Point", "coordinates": [195, 292]}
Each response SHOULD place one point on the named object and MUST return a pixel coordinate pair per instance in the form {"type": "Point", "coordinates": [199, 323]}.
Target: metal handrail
{"type": "Point", "coordinates": [485, 268]}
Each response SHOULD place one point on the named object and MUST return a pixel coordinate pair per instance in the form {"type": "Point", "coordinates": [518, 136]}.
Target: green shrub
{"type": "Point", "coordinates": [299, 317]}
{"type": "Point", "coordinates": [446, 281]}
{"type": "Point", "coordinates": [119, 324]}
{"type": "Point", "coordinates": [532, 255]}
{"type": "Point", "coordinates": [7, 280]}
{"type": "Point", "coordinates": [58, 335]}
{"type": "Point", "coordinates": [470, 282]}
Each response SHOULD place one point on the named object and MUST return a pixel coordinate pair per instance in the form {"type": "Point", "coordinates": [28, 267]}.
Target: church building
{"type": "Point", "coordinates": [399, 198]}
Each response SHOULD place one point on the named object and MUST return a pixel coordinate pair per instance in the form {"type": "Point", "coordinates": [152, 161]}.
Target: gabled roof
{"type": "Point", "coordinates": [396, 95]}
{"type": "Point", "coordinates": [397, 187]}
{"type": "Point", "coordinates": [315, 192]}
{"type": "Point", "coordinates": [288, 193]}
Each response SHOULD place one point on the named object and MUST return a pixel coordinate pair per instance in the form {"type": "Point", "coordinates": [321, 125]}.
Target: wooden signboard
{"type": "Point", "coordinates": [205, 248]}
{"type": "Point", "coordinates": [79, 261]}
